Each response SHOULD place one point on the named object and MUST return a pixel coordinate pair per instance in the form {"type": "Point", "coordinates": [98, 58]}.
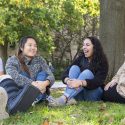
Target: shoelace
{"type": "Point", "coordinates": [35, 102]}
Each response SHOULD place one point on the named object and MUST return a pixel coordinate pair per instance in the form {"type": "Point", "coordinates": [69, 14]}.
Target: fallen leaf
{"type": "Point", "coordinates": [46, 122]}
{"type": "Point", "coordinates": [59, 123]}
{"type": "Point", "coordinates": [102, 107]}
{"type": "Point", "coordinates": [111, 119]}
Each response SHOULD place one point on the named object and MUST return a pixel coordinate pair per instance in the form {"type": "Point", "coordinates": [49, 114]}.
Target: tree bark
{"type": "Point", "coordinates": [112, 32]}
{"type": "Point", "coordinates": [3, 51]}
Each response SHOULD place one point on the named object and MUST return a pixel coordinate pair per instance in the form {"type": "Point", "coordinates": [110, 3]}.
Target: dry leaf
{"type": "Point", "coordinates": [59, 123]}
{"type": "Point", "coordinates": [46, 122]}
{"type": "Point", "coordinates": [111, 119]}
{"type": "Point", "coordinates": [102, 107]}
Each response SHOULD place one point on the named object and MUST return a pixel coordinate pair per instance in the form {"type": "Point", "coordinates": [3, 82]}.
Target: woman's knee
{"type": "Point", "coordinates": [87, 71]}
{"type": "Point", "coordinates": [75, 67]}
{"type": "Point", "coordinates": [42, 76]}
{"type": "Point", "coordinates": [74, 72]}
{"type": "Point", "coordinates": [86, 74]}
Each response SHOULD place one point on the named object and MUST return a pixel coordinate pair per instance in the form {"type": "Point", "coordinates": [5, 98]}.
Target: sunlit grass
{"type": "Point", "coordinates": [84, 113]}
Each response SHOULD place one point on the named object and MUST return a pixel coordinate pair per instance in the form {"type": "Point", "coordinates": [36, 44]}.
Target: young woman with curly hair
{"type": "Point", "coordinates": [85, 76]}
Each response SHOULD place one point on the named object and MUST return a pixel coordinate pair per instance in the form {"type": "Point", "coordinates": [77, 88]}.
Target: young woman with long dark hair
{"type": "Point", "coordinates": [85, 76]}
{"type": "Point", "coordinates": [29, 68]}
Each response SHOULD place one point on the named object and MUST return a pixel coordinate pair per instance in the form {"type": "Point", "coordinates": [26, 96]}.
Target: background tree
{"type": "Point", "coordinates": [20, 18]}
{"type": "Point", "coordinates": [79, 19]}
{"type": "Point", "coordinates": [112, 32]}
{"type": "Point", "coordinates": [57, 24]}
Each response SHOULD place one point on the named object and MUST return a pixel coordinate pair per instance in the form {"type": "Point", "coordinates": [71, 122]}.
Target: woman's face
{"type": "Point", "coordinates": [30, 48]}
{"type": "Point", "coordinates": [88, 48]}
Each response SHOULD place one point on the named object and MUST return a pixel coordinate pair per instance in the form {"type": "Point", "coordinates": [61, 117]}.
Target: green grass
{"type": "Point", "coordinates": [84, 113]}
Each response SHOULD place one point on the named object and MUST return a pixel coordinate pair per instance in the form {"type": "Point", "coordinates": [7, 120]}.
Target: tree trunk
{"type": "Point", "coordinates": [3, 51]}
{"type": "Point", "coordinates": [112, 32]}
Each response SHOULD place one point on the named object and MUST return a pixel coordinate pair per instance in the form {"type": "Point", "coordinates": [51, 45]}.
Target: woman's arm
{"type": "Point", "coordinates": [12, 68]}
{"type": "Point", "coordinates": [116, 79]}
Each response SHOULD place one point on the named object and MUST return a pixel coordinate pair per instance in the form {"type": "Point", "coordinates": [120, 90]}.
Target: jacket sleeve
{"type": "Point", "coordinates": [66, 72]}
{"type": "Point", "coordinates": [120, 72]}
{"type": "Point", "coordinates": [98, 79]}
{"type": "Point", "coordinates": [46, 68]}
{"type": "Point", "coordinates": [12, 69]}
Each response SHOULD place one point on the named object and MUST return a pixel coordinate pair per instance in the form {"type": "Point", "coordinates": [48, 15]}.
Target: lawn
{"type": "Point", "coordinates": [84, 113]}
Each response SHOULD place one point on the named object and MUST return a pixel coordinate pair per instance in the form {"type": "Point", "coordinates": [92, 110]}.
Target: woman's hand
{"type": "Point", "coordinates": [41, 85]}
{"type": "Point", "coordinates": [34, 84]}
{"type": "Point", "coordinates": [37, 85]}
{"type": "Point", "coordinates": [75, 83]}
{"type": "Point", "coordinates": [109, 85]}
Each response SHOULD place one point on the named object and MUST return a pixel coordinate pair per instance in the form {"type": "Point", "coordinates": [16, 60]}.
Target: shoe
{"type": "Point", "coordinates": [58, 103]}
{"type": "Point", "coordinates": [72, 101]}
{"type": "Point", "coordinates": [51, 99]}
{"type": "Point", "coordinates": [55, 102]}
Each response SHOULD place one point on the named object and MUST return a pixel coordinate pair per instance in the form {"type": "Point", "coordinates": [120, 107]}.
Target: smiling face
{"type": "Point", "coordinates": [30, 48]}
{"type": "Point", "coordinates": [88, 48]}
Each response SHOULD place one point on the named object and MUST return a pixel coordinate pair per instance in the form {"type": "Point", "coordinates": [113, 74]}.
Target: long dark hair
{"type": "Point", "coordinates": [99, 59]}
{"type": "Point", "coordinates": [20, 55]}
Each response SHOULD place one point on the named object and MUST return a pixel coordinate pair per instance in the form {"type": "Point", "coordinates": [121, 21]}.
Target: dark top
{"type": "Point", "coordinates": [99, 75]}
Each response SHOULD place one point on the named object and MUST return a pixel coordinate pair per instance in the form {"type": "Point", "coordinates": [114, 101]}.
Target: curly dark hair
{"type": "Point", "coordinates": [99, 58]}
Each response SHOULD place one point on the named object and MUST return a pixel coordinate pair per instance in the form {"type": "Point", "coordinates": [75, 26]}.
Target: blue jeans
{"type": "Point", "coordinates": [41, 76]}
{"type": "Point", "coordinates": [82, 93]}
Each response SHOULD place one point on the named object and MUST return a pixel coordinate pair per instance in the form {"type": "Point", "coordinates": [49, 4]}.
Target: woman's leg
{"type": "Point", "coordinates": [90, 95]}
{"type": "Point", "coordinates": [86, 94]}
{"type": "Point", "coordinates": [86, 74]}
{"type": "Point", "coordinates": [19, 98]}
{"type": "Point", "coordinates": [41, 77]}
{"type": "Point", "coordinates": [74, 73]}
{"type": "Point", "coordinates": [112, 95]}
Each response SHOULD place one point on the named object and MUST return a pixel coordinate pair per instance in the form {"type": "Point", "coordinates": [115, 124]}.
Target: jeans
{"type": "Point", "coordinates": [82, 93]}
{"type": "Point", "coordinates": [41, 76]}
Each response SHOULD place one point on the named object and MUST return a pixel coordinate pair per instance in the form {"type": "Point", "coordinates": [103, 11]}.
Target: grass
{"type": "Point", "coordinates": [84, 113]}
